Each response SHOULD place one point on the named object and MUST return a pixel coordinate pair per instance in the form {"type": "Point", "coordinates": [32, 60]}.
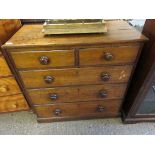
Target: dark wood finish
{"type": "Point", "coordinates": [78, 93]}
{"type": "Point", "coordinates": [108, 55]}
{"type": "Point", "coordinates": [32, 21]}
{"type": "Point", "coordinates": [58, 119]}
{"type": "Point", "coordinates": [132, 115]}
{"type": "Point", "coordinates": [75, 76]}
{"type": "Point", "coordinates": [43, 59]}
{"type": "Point", "coordinates": [79, 85]}
{"type": "Point", "coordinates": [142, 79]}
{"type": "Point", "coordinates": [111, 108]}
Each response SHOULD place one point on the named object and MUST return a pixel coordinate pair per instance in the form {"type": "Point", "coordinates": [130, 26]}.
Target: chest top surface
{"type": "Point", "coordinates": [118, 32]}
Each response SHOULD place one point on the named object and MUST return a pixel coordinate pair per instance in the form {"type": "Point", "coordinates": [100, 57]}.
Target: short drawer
{"type": "Point", "coordinates": [13, 103]}
{"type": "Point", "coordinates": [108, 108]}
{"type": "Point", "coordinates": [4, 68]}
{"type": "Point", "coordinates": [108, 55]}
{"type": "Point", "coordinates": [77, 93]}
{"type": "Point", "coordinates": [75, 76]}
{"type": "Point", "coordinates": [43, 59]}
{"type": "Point", "coordinates": [8, 86]}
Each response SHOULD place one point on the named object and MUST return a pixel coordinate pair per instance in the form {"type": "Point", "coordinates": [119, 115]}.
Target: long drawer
{"type": "Point", "coordinates": [4, 69]}
{"type": "Point", "coordinates": [75, 76]}
{"type": "Point", "coordinates": [8, 86]}
{"type": "Point", "coordinates": [107, 108]}
{"type": "Point", "coordinates": [108, 55]}
{"type": "Point", "coordinates": [77, 93]}
{"type": "Point", "coordinates": [13, 103]}
{"type": "Point", "coordinates": [44, 59]}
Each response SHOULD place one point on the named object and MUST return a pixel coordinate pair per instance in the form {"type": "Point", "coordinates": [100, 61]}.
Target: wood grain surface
{"type": "Point", "coordinates": [8, 86]}
{"type": "Point", "coordinates": [4, 68]}
{"type": "Point", "coordinates": [79, 68]}
{"type": "Point", "coordinates": [13, 103]}
{"type": "Point", "coordinates": [111, 108]}
{"type": "Point", "coordinates": [96, 56]}
{"type": "Point", "coordinates": [75, 76]}
{"type": "Point", "coordinates": [7, 28]}
{"type": "Point", "coordinates": [77, 93]}
{"type": "Point", "coordinates": [32, 36]}
{"type": "Point", "coordinates": [56, 58]}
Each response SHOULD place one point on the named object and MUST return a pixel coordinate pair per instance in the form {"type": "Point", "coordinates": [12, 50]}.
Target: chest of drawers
{"type": "Point", "coordinates": [11, 97]}
{"type": "Point", "coordinates": [75, 76]}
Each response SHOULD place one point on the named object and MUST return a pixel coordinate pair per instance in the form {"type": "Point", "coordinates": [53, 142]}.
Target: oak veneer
{"type": "Point", "coordinates": [7, 28]}
{"type": "Point", "coordinates": [13, 103]}
{"type": "Point", "coordinates": [4, 69]}
{"type": "Point", "coordinates": [8, 86]}
{"type": "Point", "coordinates": [11, 98]}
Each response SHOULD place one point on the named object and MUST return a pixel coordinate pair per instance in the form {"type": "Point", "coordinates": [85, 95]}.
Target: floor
{"type": "Point", "coordinates": [24, 123]}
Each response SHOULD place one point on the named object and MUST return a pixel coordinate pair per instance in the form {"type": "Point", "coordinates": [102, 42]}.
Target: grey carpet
{"type": "Point", "coordinates": [24, 123]}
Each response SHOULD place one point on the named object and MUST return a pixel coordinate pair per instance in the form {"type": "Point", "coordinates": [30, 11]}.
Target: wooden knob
{"type": "Point", "coordinates": [48, 79]}
{"type": "Point", "coordinates": [103, 93]}
{"type": "Point", "coordinates": [57, 111]}
{"type": "Point", "coordinates": [108, 56]}
{"type": "Point", "coordinates": [53, 96]}
{"type": "Point", "coordinates": [44, 60]}
{"type": "Point", "coordinates": [105, 76]}
{"type": "Point", "coordinates": [100, 109]}
{"type": "Point", "coordinates": [3, 89]}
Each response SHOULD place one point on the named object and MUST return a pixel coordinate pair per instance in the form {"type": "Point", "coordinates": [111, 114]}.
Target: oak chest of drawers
{"type": "Point", "coordinates": [75, 76]}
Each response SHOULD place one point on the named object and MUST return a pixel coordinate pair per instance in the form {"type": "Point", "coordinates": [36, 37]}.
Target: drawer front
{"type": "Point", "coordinates": [43, 59]}
{"type": "Point", "coordinates": [4, 68]}
{"type": "Point", "coordinates": [8, 86]}
{"type": "Point", "coordinates": [76, 76]}
{"type": "Point", "coordinates": [96, 108]}
{"type": "Point", "coordinates": [75, 94]}
{"type": "Point", "coordinates": [109, 55]}
{"type": "Point", "coordinates": [13, 103]}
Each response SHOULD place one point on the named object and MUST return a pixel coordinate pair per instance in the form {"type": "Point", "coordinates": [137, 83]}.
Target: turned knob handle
{"type": "Point", "coordinates": [3, 89]}
{"type": "Point", "coordinates": [108, 56]}
{"type": "Point", "coordinates": [105, 76]}
{"type": "Point", "coordinates": [44, 60]}
{"type": "Point", "coordinates": [53, 96]}
{"type": "Point", "coordinates": [57, 111]}
{"type": "Point", "coordinates": [103, 93]}
{"type": "Point", "coordinates": [48, 79]}
{"type": "Point", "coordinates": [100, 109]}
